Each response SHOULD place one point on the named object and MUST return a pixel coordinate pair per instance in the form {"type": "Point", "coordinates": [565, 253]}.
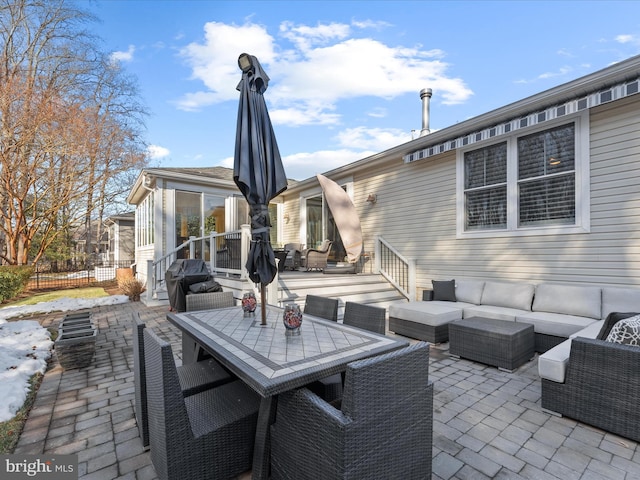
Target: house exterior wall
{"type": "Point", "coordinates": [416, 213]}
{"type": "Point", "coordinates": [122, 233]}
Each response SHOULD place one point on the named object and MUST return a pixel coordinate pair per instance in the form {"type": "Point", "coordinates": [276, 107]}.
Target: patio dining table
{"type": "Point", "coordinates": [271, 362]}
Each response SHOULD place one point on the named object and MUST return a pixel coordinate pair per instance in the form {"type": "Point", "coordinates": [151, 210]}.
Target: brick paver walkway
{"type": "Point", "coordinates": [487, 423]}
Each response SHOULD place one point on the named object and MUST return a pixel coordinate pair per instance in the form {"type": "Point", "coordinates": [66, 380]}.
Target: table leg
{"type": "Point", "coordinates": [262, 447]}
{"type": "Point", "coordinates": [189, 347]}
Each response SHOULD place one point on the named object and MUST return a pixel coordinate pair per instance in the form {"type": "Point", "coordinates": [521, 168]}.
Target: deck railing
{"type": "Point", "coordinates": [225, 253]}
{"type": "Point", "coordinates": [396, 268]}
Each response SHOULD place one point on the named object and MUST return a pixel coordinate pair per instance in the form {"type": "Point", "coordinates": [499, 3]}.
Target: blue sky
{"type": "Point", "coordinates": [346, 75]}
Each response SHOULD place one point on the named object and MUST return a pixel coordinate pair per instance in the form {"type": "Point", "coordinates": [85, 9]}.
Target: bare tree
{"type": "Point", "coordinates": [70, 125]}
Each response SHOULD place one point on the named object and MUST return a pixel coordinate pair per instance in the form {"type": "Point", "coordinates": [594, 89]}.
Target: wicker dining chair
{"type": "Point", "coordinates": [323, 307]}
{"type": "Point", "coordinates": [329, 388]}
{"type": "Point", "coordinates": [366, 317]}
{"type": "Point", "coordinates": [207, 435]}
{"type": "Point", "coordinates": [383, 428]}
{"type": "Point", "coordinates": [209, 300]}
{"type": "Point", "coordinates": [191, 350]}
{"type": "Point", "coordinates": [193, 378]}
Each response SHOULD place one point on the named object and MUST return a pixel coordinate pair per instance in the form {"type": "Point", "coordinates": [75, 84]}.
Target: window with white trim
{"type": "Point", "coordinates": [145, 221]}
{"type": "Point", "coordinates": [532, 182]}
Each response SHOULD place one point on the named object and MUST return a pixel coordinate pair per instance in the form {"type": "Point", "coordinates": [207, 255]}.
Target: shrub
{"type": "Point", "coordinates": [131, 287]}
{"type": "Point", "coordinates": [13, 280]}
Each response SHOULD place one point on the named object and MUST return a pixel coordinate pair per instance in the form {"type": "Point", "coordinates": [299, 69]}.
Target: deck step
{"type": "Point", "coordinates": [370, 289]}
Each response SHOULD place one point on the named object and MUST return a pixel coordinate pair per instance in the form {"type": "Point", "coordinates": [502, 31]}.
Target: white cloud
{"type": "Point", "coordinates": [562, 71]}
{"type": "Point", "coordinates": [635, 39]}
{"type": "Point", "coordinates": [156, 151]}
{"type": "Point", "coordinates": [378, 113]}
{"type": "Point", "coordinates": [372, 139]}
{"type": "Point", "coordinates": [215, 62]}
{"type": "Point", "coordinates": [306, 164]}
{"type": "Point", "coordinates": [316, 68]}
{"type": "Point", "coordinates": [124, 56]}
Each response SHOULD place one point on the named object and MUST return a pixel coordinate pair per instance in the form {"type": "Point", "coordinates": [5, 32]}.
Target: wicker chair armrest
{"type": "Point", "coordinates": [302, 406]}
{"type": "Point", "coordinates": [604, 363]}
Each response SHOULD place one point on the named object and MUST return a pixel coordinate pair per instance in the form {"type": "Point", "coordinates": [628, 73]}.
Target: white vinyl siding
{"type": "Point", "coordinates": [417, 207]}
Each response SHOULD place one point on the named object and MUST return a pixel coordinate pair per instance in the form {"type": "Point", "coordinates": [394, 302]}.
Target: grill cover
{"type": "Point", "coordinates": [179, 276]}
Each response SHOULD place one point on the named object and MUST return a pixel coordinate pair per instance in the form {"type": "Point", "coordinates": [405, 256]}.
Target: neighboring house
{"type": "Point", "coordinates": [546, 188]}
{"type": "Point", "coordinates": [121, 232]}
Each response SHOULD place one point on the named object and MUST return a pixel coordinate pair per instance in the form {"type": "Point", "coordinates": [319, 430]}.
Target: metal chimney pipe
{"type": "Point", "coordinates": [425, 96]}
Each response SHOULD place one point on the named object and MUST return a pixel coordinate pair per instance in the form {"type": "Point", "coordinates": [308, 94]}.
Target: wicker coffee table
{"type": "Point", "coordinates": [503, 344]}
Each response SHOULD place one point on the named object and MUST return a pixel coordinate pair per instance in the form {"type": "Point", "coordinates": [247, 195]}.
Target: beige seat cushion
{"type": "Point", "coordinates": [427, 313]}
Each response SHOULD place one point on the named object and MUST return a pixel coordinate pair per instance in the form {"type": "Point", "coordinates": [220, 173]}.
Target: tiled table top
{"type": "Point", "coordinates": [272, 362]}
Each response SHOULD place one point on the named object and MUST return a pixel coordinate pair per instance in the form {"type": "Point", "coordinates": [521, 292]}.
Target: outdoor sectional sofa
{"type": "Point", "coordinates": [583, 376]}
{"type": "Point", "coordinates": [556, 311]}
{"type": "Point", "coordinates": [593, 380]}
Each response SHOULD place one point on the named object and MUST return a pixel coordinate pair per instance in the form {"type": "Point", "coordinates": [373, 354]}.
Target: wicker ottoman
{"type": "Point", "coordinates": [427, 321]}
{"type": "Point", "coordinates": [503, 344]}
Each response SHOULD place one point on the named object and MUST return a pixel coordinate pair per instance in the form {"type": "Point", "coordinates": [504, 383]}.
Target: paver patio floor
{"type": "Point", "coordinates": [487, 423]}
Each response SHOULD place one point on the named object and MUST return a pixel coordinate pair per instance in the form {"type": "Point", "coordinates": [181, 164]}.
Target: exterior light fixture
{"type": "Point", "coordinates": [372, 198]}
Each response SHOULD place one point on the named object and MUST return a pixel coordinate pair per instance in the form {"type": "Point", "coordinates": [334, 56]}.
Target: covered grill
{"type": "Point", "coordinates": [180, 275]}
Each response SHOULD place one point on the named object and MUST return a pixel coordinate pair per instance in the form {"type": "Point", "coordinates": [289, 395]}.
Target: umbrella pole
{"type": "Point", "coordinates": [263, 301]}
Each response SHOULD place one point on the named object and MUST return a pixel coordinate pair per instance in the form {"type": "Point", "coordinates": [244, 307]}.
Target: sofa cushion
{"type": "Point", "coordinates": [491, 311]}
{"type": "Point", "coordinates": [610, 321]}
{"type": "Point", "coordinates": [581, 301]}
{"type": "Point", "coordinates": [552, 364]}
{"type": "Point", "coordinates": [427, 313]}
{"type": "Point", "coordinates": [444, 290]}
{"type": "Point", "coordinates": [626, 331]}
{"type": "Point", "coordinates": [510, 295]}
{"type": "Point", "coordinates": [469, 291]}
{"type": "Point", "coordinates": [556, 324]}
{"type": "Point", "coordinates": [618, 299]}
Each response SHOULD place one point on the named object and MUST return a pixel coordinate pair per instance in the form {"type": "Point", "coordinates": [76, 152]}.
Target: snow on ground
{"type": "Point", "coordinates": [25, 346]}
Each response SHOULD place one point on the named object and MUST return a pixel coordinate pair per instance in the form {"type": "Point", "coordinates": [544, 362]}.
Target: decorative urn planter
{"type": "Point", "coordinates": [249, 303]}
{"type": "Point", "coordinates": [292, 319]}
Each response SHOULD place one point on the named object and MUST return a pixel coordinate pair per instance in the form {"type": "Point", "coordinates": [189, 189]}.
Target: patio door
{"type": "Point", "coordinates": [321, 225]}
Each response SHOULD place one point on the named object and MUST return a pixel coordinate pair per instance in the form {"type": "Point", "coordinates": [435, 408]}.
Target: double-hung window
{"type": "Point", "coordinates": [526, 183]}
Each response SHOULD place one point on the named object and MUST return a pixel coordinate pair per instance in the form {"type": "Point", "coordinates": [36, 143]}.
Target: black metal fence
{"type": "Point", "coordinates": [55, 276]}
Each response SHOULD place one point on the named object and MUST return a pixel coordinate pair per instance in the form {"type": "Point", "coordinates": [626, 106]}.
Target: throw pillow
{"type": "Point", "coordinates": [444, 290]}
{"type": "Point", "coordinates": [610, 321]}
{"type": "Point", "coordinates": [626, 331]}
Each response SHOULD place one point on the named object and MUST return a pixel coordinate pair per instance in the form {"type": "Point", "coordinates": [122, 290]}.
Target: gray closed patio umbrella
{"type": "Point", "coordinates": [257, 169]}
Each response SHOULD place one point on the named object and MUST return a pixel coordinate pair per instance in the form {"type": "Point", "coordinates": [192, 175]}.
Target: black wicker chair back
{"type": "Point", "coordinates": [193, 378]}
{"type": "Point", "coordinates": [207, 435]}
{"type": "Point", "coordinates": [384, 428]}
{"type": "Point", "coordinates": [322, 307]}
{"type": "Point", "coordinates": [209, 301]}
{"type": "Point", "coordinates": [365, 316]}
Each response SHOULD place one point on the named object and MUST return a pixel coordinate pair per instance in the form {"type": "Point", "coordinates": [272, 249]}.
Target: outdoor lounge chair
{"type": "Point", "coordinates": [383, 429]}
{"type": "Point", "coordinates": [293, 259]}
{"type": "Point", "coordinates": [316, 258]}
{"type": "Point", "coordinates": [193, 378]}
{"type": "Point", "coordinates": [207, 435]}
